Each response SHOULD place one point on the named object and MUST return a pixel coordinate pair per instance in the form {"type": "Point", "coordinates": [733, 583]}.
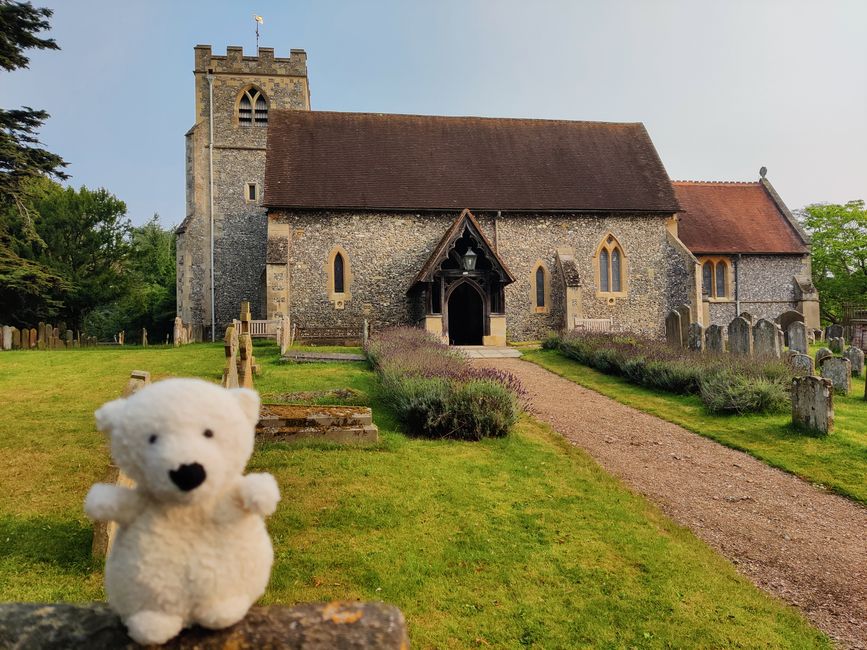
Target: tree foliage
{"type": "Point", "coordinates": [839, 252]}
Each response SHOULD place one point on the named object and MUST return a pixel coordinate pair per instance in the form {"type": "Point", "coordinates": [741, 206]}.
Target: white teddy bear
{"type": "Point", "coordinates": [191, 545]}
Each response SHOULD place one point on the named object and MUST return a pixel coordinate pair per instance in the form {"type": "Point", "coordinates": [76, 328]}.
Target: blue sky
{"type": "Point", "coordinates": [723, 87]}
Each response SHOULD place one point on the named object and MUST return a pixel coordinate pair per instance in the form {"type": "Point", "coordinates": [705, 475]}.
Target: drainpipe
{"type": "Point", "coordinates": [210, 78]}
{"type": "Point", "coordinates": [738, 286]}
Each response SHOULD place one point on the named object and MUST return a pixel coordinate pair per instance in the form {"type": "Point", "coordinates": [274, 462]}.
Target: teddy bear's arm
{"type": "Point", "coordinates": [113, 503]}
{"type": "Point", "coordinates": [259, 493]}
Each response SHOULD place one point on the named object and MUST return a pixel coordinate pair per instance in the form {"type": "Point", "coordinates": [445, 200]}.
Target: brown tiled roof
{"type": "Point", "coordinates": [362, 160]}
{"type": "Point", "coordinates": [734, 218]}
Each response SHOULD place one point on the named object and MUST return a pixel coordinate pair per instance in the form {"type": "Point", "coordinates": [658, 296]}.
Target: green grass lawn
{"type": "Point", "coordinates": [837, 461]}
{"type": "Point", "coordinates": [507, 543]}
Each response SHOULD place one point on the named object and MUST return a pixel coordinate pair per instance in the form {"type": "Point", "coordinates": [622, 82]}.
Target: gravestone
{"type": "Point", "coordinates": [55, 338]}
{"type": "Point", "coordinates": [34, 338]}
{"type": "Point", "coordinates": [818, 335]}
{"type": "Point", "coordinates": [230, 347]}
{"type": "Point", "coordinates": [16, 338]}
{"type": "Point", "coordinates": [144, 337]}
{"type": "Point", "coordinates": [685, 320]}
{"type": "Point", "coordinates": [69, 339]}
{"type": "Point", "coordinates": [787, 318]}
{"type": "Point", "coordinates": [40, 336]}
{"type": "Point", "coordinates": [803, 363]}
{"type": "Point", "coordinates": [798, 337]}
{"type": "Point", "coordinates": [7, 337]}
{"type": "Point", "coordinates": [672, 329]}
{"type": "Point", "coordinates": [836, 344]}
{"type": "Point", "coordinates": [766, 340]}
{"type": "Point", "coordinates": [833, 332]}
{"type": "Point", "coordinates": [839, 371]}
{"type": "Point", "coordinates": [747, 316]}
{"type": "Point", "coordinates": [812, 404]}
{"type": "Point", "coordinates": [856, 357]}
{"type": "Point", "coordinates": [821, 355]}
{"type": "Point", "coordinates": [715, 339]}
{"type": "Point", "coordinates": [695, 340]}
{"type": "Point", "coordinates": [811, 336]}
{"type": "Point", "coordinates": [740, 336]}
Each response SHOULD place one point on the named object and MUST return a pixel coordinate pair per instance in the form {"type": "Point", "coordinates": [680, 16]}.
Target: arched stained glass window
{"type": "Point", "coordinates": [338, 273]}
{"type": "Point", "coordinates": [721, 269]}
{"type": "Point", "coordinates": [540, 287]}
{"type": "Point", "coordinates": [616, 276]}
{"type": "Point", "coordinates": [253, 108]}
{"type": "Point", "coordinates": [707, 278]}
{"type": "Point", "coordinates": [604, 271]}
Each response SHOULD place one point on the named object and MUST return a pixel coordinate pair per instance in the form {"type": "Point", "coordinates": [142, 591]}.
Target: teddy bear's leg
{"type": "Point", "coordinates": [217, 614]}
{"type": "Point", "coordinates": [150, 627]}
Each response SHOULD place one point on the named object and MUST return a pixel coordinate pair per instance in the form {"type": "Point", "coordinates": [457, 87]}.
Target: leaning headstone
{"type": "Point", "coordinates": [798, 337]}
{"type": "Point", "coordinates": [766, 340]}
{"type": "Point", "coordinates": [856, 357]}
{"type": "Point", "coordinates": [839, 371]}
{"type": "Point", "coordinates": [685, 320]}
{"type": "Point", "coordinates": [695, 340]}
{"type": "Point", "coordinates": [802, 363]}
{"type": "Point", "coordinates": [821, 355]}
{"type": "Point", "coordinates": [715, 339]}
{"type": "Point", "coordinates": [812, 404]}
{"type": "Point", "coordinates": [833, 332]}
{"type": "Point", "coordinates": [7, 337]}
{"type": "Point", "coordinates": [16, 338]}
{"type": "Point", "coordinates": [836, 344]}
{"type": "Point", "coordinates": [34, 338]}
{"type": "Point", "coordinates": [740, 336]}
{"type": "Point", "coordinates": [673, 334]}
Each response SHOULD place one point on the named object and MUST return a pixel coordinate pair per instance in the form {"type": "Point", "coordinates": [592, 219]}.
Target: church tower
{"type": "Point", "coordinates": [221, 247]}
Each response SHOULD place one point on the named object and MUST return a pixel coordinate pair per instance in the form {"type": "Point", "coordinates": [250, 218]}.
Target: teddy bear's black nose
{"type": "Point", "coordinates": [188, 477]}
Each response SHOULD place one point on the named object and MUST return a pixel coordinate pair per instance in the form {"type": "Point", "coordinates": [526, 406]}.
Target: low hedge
{"type": "Point", "coordinates": [725, 383]}
{"type": "Point", "coordinates": [436, 393]}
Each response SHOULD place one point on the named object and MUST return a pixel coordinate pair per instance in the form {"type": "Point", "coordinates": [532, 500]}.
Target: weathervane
{"type": "Point", "coordinates": [259, 21]}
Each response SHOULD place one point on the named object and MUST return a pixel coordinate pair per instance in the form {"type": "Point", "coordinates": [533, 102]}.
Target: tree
{"type": "Point", "coordinates": [839, 253]}
{"type": "Point", "coordinates": [84, 235]}
{"type": "Point", "coordinates": [28, 290]}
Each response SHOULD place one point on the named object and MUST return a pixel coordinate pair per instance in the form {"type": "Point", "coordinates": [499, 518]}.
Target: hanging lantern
{"type": "Point", "coordinates": [468, 261]}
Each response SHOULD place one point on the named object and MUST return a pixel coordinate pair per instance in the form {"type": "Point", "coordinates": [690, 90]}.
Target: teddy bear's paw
{"type": "Point", "coordinates": [260, 494]}
{"type": "Point", "coordinates": [215, 615]}
{"type": "Point", "coordinates": [150, 627]}
{"type": "Point", "coordinates": [100, 504]}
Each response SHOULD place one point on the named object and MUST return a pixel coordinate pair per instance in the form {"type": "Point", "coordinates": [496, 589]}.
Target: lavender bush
{"type": "Point", "coordinates": [725, 383]}
{"type": "Point", "coordinates": [436, 393]}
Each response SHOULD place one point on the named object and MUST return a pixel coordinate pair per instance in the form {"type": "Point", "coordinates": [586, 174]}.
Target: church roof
{"type": "Point", "coordinates": [326, 160]}
{"type": "Point", "coordinates": [721, 217]}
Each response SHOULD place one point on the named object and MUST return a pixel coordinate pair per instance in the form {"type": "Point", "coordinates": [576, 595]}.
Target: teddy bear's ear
{"type": "Point", "coordinates": [249, 402]}
{"type": "Point", "coordinates": [109, 415]}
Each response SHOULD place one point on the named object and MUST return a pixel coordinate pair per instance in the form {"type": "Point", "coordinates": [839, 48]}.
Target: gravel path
{"type": "Point", "coordinates": [806, 546]}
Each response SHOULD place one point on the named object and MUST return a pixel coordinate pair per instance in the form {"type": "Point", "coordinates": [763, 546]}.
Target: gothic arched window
{"type": "Point", "coordinates": [252, 108]}
{"type": "Point", "coordinates": [610, 267]}
{"type": "Point", "coordinates": [540, 288]}
{"type": "Point", "coordinates": [338, 273]}
{"type": "Point", "coordinates": [715, 274]}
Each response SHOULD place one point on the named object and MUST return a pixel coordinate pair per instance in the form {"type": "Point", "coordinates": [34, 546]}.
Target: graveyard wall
{"type": "Point", "coordinates": [386, 250]}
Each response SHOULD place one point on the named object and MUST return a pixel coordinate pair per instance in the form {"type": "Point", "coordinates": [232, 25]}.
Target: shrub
{"type": "Point", "coordinates": [726, 384]}
{"type": "Point", "coordinates": [436, 393]}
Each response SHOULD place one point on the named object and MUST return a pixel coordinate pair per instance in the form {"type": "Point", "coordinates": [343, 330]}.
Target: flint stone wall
{"type": "Point", "coordinates": [387, 249]}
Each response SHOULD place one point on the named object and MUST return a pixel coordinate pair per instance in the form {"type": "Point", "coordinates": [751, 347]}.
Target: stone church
{"type": "Point", "coordinates": [481, 230]}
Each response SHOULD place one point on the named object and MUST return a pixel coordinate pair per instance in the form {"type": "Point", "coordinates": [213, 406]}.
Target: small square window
{"type": "Point", "coordinates": [252, 194]}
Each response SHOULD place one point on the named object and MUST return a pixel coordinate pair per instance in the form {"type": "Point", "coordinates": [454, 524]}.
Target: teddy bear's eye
{"type": "Point", "coordinates": [209, 433]}
{"type": "Point", "coordinates": [153, 438]}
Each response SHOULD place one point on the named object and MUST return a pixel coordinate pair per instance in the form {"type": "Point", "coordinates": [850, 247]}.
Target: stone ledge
{"type": "Point", "coordinates": [311, 626]}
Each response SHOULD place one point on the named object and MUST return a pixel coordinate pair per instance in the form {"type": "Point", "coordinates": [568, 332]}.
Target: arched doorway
{"type": "Point", "coordinates": [466, 315]}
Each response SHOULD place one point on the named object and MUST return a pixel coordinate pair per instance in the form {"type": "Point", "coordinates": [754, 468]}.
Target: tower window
{"type": "Point", "coordinates": [251, 193]}
{"type": "Point", "coordinates": [253, 108]}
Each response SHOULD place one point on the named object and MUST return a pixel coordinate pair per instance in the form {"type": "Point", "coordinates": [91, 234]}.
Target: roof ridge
{"type": "Point", "coordinates": [454, 117]}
